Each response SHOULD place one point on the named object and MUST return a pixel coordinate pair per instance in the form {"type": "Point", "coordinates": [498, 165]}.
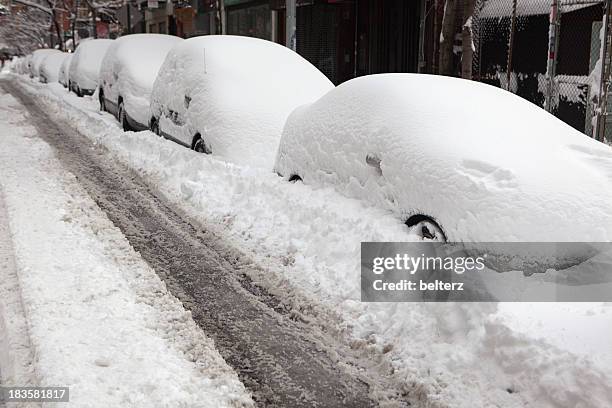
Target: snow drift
{"type": "Point", "coordinates": [236, 92]}
{"type": "Point", "coordinates": [445, 148]}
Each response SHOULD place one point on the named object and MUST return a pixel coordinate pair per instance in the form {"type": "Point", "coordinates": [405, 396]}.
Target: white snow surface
{"type": "Point", "coordinates": [37, 58]}
{"type": "Point", "coordinates": [64, 70]}
{"type": "Point", "coordinates": [129, 70]}
{"type": "Point", "coordinates": [308, 237]}
{"type": "Point", "coordinates": [482, 177]}
{"type": "Point", "coordinates": [242, 90]}
{"type": "Point", "coordinates": [99, 320]}
{"type": "Point", "coordinates": [50, 66]}
{"type": "Point", "coordinates": [86, 61]}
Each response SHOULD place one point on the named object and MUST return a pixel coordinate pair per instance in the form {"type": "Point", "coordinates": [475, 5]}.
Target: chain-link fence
{"type": "Point", "coordinates": [546, 51]}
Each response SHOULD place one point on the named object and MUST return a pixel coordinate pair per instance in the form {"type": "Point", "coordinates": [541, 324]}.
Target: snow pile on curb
{"type": "Point", "coordinates": [99, 320]}
{"type": "Point", "coordinates": [444, 355]}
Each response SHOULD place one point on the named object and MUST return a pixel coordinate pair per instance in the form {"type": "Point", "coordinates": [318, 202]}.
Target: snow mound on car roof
{"type": "Point", "coordinates": [488, 165]}
{"type": "Point", "coordinates": [85, 65]}
{"type": "Point", "coordinates": [50, 66]}
{"type": "Point", "coordinates": [242, 90]}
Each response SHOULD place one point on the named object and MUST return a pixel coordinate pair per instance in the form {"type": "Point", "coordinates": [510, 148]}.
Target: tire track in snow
{"type": "Point", "coordinates": [277, 359]}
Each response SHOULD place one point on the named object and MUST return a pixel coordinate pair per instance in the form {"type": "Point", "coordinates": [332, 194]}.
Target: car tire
{"type": "Point", "coordinates": [102, 101]}
{"type": "Point", "coordinates": [154, 126]}
{"type": "Point", "coordinates": [121, 116]}
{"type": "Point", "coordinates": [199, 145]}
{"type": "Point", "coordinates": [426, 228]}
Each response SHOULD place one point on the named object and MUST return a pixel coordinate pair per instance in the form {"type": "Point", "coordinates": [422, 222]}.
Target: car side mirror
{"type": "Point", "coordinates": [374, 161]}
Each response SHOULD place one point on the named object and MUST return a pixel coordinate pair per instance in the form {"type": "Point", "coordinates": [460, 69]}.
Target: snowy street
{"type": "Point", "coordinates": [154, 277]}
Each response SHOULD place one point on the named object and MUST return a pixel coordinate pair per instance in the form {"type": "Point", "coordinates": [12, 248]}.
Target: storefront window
{"type": "Point", "coordinates": [250, 21]}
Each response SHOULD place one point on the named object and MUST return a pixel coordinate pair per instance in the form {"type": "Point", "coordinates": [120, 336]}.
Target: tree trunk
{"type": "Point", "coordinates": [75, 15]}
{"type": "Point", "coordinates": [447, 38]}
{"type": "Point", "coordinates": [58, 31]}
{"type": "Point", "coordinates": [93, 21]}
{"type": "Point", "coordinates": [467, 53]}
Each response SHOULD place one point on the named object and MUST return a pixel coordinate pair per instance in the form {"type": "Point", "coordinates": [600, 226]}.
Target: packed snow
{"type": "Point", "coordinates": [129, 70]}
{"type": "Point", "coordinates": [84, 68]}
{"type": "Point", "coordinates": [50, 67]}
{"type": "Point", "coordinates": [236, 92]}
{"type": "Point", "coordinates": [483, 178]}
{"type": "Point", "coordinates": [64, 70]}
{"type": "Point", "coordinates": [306, 241]}
{"type": "Point", "coordinates": [97, 318]}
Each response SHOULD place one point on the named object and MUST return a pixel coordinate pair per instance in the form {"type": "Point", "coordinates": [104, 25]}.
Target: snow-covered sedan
{"type": "Point", "coordinates": [37, 58]}
{"type": "Point", "coordinates": [50, 67]}
{"type": "Point", "coordinates": [230, 96]}
{"type": "Point", "coordinates": [64, 69]}
{"type": "Point", "coordinates": [455, 159]}
{"type": "Point", "coordinates": [127, 75]}
{"type": "Point", "coordinates": [84, 71]}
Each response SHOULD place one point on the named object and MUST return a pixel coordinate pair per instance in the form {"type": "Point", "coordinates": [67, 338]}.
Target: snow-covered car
{"type": "Point", "coordinates": [37, 58]}
{"type": "Point", "coordinates": [127, 75]}
{"type": "Point", "coordinates": [64, 70]}
{"type": "Point", "coordinates": [50, 67]}
{"type": "Point", "coordinates": [454, 159]}
{"type": "Point", "coordinates": [84, 71]}
{"type": "Point", "coordinates": [230, 96]}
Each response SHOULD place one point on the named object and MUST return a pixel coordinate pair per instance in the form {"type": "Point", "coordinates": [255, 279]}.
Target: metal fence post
{"type": "Point", "coordinates": [602, 103]}
{"type": "Point", "coordinates": [511, 45]}
{"type": "Point", "coordinates": [553, 45]}
{"type": "Point", "coordinates": [291, 23]}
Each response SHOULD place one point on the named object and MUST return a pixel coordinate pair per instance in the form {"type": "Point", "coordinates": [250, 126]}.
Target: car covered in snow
{"type": "Point", "coordinates": [64, 69]}
{"type": "Point", "coordinates": [37, 58]}
{"type": "Point", "coordinates": [50, 67]}
{"type": "Point", "coordinates": [127, 75]}
{"type": "Point", "coordinates": [230, 96]}
{"type": "Point", "coordinates": [455, 159]}
{"type": "Point", "coordinates": [84, 68]}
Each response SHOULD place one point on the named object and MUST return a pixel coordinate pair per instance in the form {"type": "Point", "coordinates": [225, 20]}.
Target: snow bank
{"type": "Point", "coordinates": [129, 70]}
{"type": "Point", "coordinates": [86, 61]}
{"type": "Point", "coordinates": [50, 67]}
{"type": "Point", "coordinates": [236, 92]}
{"type": "Point", "coordinates": [37, 58]}
{"type": "Point", "coordinates": [480, 176]}
{"type": "Point", "coordinates": [99, 319]}
{"type": "Point", "coordinates": [64, 70]}
{"type": "Point", "coordinates": [304, 243]}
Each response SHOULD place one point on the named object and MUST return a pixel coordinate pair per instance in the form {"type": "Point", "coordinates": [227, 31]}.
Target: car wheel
{"type": "Point", "coordinates": [199, 145]}
{"type": "Point", "coordinates": [102, 101]}
{"type": "Point", "coordinates": [154, 126]}
{"type": "Point", "coordinates": [425, 228]}
{"type": "Point", "coordinates": [122, 117]}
